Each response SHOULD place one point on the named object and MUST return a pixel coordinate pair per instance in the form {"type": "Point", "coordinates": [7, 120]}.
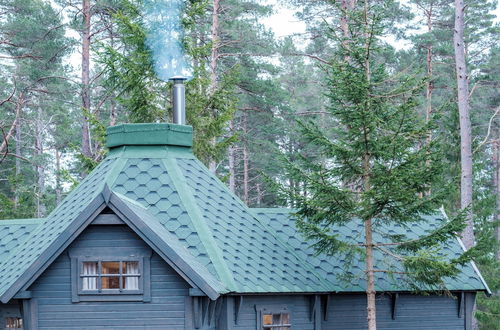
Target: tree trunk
{"type": "Point", "coordinates": [214, 57]}
{"type": "Point", "coordinates": [429, 85]}
{"type": "Point", "coordinates": [12, 128]}
{"type": "Point", "coordinates": [112, 112]}
{"type": "Point", "coordinates": [18, 162]}
{"type": "Point", "coordinates": [39, 167]}
{"type": "Point", "coordinates": [246, 178]}
{"type": "Point", "coordinates": [86, 144]}
{"type": "Point", "coordinates": [231, 161]}
{"type": "Point", "coordinates": [58, 178]}
{"type": "Point", "coordinates": [465, 123]}
{"type": "Point", "coordinates": [370, 276]}
{"type": "Point", "coordinates": [496, 189]}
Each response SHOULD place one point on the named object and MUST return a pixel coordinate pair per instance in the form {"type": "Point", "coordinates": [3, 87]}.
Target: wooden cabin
{"type": "Point", "coordinates": [152, 240]}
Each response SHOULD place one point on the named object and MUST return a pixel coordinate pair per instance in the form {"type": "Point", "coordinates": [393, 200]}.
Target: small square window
{"type": "Point", "coordinates": [279, 321]}
{"type": "Point", "coordinates": [13, 323]}
{"type": "Point", "coordinates": [119, 275]}
{"type": "Point", "coordinates": [273, 318]}
{"type": "Point", "coordinates": [110, 276]}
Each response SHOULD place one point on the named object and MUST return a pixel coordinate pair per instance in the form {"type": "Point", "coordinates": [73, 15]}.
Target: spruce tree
{"type": "Point", "coordinates": [374, 166]}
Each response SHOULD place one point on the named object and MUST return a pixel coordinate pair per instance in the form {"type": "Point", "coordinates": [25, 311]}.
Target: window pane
{"type": "Point", "coordinates": [131, 267]}
{"type": "Point", "coordinates": [285, 319]}
{"type": "Point", "coordinates": [13, 323]}
{"type": "Point", "coordinates": [267, 319]}
{"type": "Point", "coordinates": [89, 283]}
{"type": "Point", "coordinates": [89, 268]}
{"type": "Point", "coordinates": [111, 267]}
{"type": "Point", "coordinates": [112, 282]}
{"type": "Point", "coordinates": [131, 283]}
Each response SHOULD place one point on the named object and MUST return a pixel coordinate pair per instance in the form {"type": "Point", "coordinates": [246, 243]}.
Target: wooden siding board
{"type": "Point", "coordinates": [413, 312]}
{"type": "Point", "coordinates": [298, 305]}
{"type": "Point", "coordinates": [53, 291]}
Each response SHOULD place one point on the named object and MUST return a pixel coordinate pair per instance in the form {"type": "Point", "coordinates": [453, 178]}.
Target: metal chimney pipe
{"type": "Point", "coordinates": [179, 100]}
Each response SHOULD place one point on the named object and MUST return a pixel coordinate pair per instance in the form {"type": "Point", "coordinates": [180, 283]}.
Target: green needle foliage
{"type": "Point", "coordinates": [374, 163]}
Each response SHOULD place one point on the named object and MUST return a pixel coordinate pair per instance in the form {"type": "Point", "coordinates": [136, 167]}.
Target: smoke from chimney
{"type": "Point", "coordinates": [163, 24]}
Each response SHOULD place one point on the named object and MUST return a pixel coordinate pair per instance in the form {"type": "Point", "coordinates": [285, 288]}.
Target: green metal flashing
{"type": "Point", "coordinates": [149, 134]}
{"type": "Point", "coordinates": [115, 171]}
{"type": "Point", "coordinates": [204, 232]}
{"type": "Point", "coordinates": [148, 151]}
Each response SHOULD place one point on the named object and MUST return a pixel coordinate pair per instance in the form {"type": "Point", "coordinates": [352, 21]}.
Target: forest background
{"type": "Point", "coordinates": [248, 91]}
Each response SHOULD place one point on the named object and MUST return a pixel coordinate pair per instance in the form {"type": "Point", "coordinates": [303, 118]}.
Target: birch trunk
{"type": "Point", "coordinates": [86, 144]}
{"type": "Point", "coordinates": [465, 123]}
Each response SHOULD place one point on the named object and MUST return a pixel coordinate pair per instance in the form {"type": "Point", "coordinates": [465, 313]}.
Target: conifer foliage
{"type": "Point", "coordinates": [373, 164]}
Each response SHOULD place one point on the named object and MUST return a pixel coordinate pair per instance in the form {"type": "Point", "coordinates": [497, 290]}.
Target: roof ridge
{"type": "Point", "coordinates": [204, 232]}
{"type": "Point", "coordinates": [273, 209]}
{"type": "Point", "coordinates": [7, 222]}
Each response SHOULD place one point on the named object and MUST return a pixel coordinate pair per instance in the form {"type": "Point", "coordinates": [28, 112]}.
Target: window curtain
{"type": "Point", "coordinates": [89, 283]}
{"type": "Point", "coordinates": [132, 282]}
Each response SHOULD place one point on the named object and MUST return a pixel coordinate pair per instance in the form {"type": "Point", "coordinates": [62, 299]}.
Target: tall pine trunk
{"type": "Point", "coordinates": [496, 189]}
{"type": "Point", "coordinates": [86, 144]}
{"type": "Point", "coordinates": [39, 167]}
{"type": "Point", "coordinates": [429, 85]}
{"type": "Point", "coordinates": [214, 57]}
{"type": "Point", "coordinates": [58, 178]}
{"type": "Point", "coordinates": [232, 161]}
{"type": "Point", "coordinates": [465, 123]}
{"type": "Point", "coordinates": [370, 275]}
{"type": "Point", "coordinates": [18, 163]}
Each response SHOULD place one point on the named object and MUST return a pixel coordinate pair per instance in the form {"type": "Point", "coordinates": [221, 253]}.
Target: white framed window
{"type": "Point", "coordinates": [111, 275]}
{"type": "Point", "coordinates": [13, 323]}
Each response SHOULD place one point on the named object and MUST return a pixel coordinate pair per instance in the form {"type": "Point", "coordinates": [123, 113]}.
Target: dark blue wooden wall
{"type": "Point", "coordinates": [412, 312]}
{"type": "Point", "coordinates": [246, 318]}
{"type": "Point", "coordinates": [52, 291]}
{"type": "Point", "coordinates": [348, 311]}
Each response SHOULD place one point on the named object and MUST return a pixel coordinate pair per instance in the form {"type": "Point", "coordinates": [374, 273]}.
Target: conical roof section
{"type": "Point", "coordinates": [215, 226]}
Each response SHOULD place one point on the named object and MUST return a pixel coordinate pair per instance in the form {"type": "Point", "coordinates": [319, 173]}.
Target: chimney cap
{"type": "Point", "coordinates": [177, 78]}
{"type": "Point", "coordinates": [149, 134]}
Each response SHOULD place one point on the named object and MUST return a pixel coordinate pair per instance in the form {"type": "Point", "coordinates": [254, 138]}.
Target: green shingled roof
{"type": "Point", "coordinates": [13, 233]}
{"type": "Point", "coordinates": [334, 268]}
{"type": "Point", "coordinates": [244, 250]}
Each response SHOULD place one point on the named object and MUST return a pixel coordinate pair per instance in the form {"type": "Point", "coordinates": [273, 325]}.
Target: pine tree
{"type": "Point", "coordinates": [375, 146]}
{"type": "Point", "coordinates": [143, 97]}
